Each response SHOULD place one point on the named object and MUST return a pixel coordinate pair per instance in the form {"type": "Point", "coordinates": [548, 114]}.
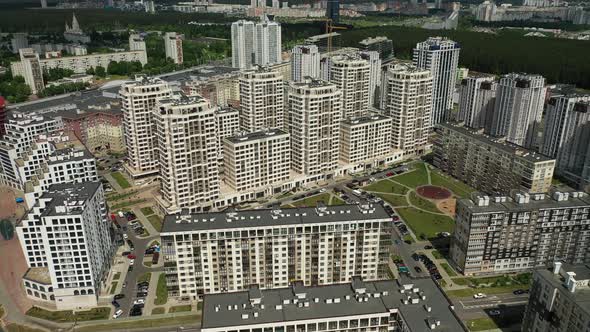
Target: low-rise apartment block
{"type": "Point", "coordinates": [472, 157]}
{"type": "Point", "coordinates": [559, 300]}
{"type": "Point", "coordinates": [509, 234]}
{"type": "Point", "coordinates": [253, 160]}
{"type": "Point", "coordinates": [220, 252]}
{"type": "Point", "coordinates": [409, 305]}
{"type": "Point", "coordinates": [365, 137]}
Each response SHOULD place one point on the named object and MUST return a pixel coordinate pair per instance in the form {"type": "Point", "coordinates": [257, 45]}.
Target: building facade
{"type": "Point", "coordinates": [305, 62]}
{"type": "Point", "coordinates": [173, 47]}
{"type": "Point", "coordinates": [364, 138]}
{"type": "Point", "coordinates": [477, 96]}
{"type": "Point", "coordinates": [509, 234]}
{"type": "Point", "coordinates": [253, 160]}
{"type": "Point", "coordinates": [100, 130]}
{"type": "Point", "coordinates": [372, 57]}
{"type": "Point", "coordinates": [380, 44]}
{"type": "Point", "coordinates": [66, 237]}
{"type": "Point", "coordinates": [229, 251]}
{"type": "Point", "coordinates": [441, 57]}
{"type": "Point", "coordinates": [518, 108]}
{"type": "Point", "coordinates": [314, 112]}
{"type": "Point", "coordinates": [30, 68]}
{"type": "Point", "coordinates": [138, 100]}
{"type": "Point", "coordinates": [352, 75]}
{"type": "Point", "coordinates": [407, 98]}
{"type": "Point", "coordinates": [227, 120]}
{"type": "Point", "coordinates": [242, 44]}
{"type": "Point", "coordinates": [186, 146]}
{"type": "Point", "coordinates": [471, 157]}
{"type": "Point", "coordinates": [261, 99]}
{"type": "Point", "coordinates": [255, 43]}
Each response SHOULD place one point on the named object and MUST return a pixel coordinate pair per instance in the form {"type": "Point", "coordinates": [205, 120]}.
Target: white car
{"type": "Point", "coordinates": [139, 301]}
{"type": "Point", "coordinates": [495, 312]}
{"type": "Point", "coordinates": [131, 262]}
{"type": "Point", "coordinates": [479, 296]}
{"type": "Point", "coordinates": [125, 236]}
{"type": "Point", "coordinates": [117, 314]}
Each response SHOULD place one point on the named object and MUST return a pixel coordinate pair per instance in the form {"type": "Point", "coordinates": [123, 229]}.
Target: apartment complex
{"type": "Point", "coordinates": [410, 305]}
{"type": "Point", "coordinates": [242, 44]}
{"type": "Point", "coordinates": [66, 239]}
{"type": "Point", "coordinates": [566, 136]}
{"type": "Point", "coordinates": [372, 57]}
{"type": "Point", "coordinates": [440, 56]}
{"type": "Point", "coordinates": [227, 121]}
{"type": "Point", "coordinates": [30, 68]}
{"type": "Point", "coordinates": [100, 130]}
{"type": "Point", "coordinates": [314, 110]}
{"type": "Point", "coordinates": [364, 138]}
{"type": "Point", "coordinates": [518, 108]}
{"type": "Point", "coordinates": [261, 99]}
{"type": "Point", "coordinates": [559, 299]}
{"type": "Point", "coordinates": [351, 74]}
{"type": "Point", "coordinates": [305, 62]}
{"type": "Point", "coordinates": [407, 99]}
{"type": "Point", "coordinates": [136, 42]}
{"type": "Point", "coordinates": [186, 146]}
{"type": "Point", "coordinates": [477, 96]}
{"type": "Point", "coordinates": [255, 43]}
{"type": "Point", "coordinates": [471, 157]}
{"type": "Point", "coordinates": [253, 160]}
{"type": "Point", "coordinates": [138, 99]}
{"type": "Point", "coordinates": [173, 47]}
{"type": "Point", "coordinates": [508, 234]}
{"type": "Point", "coordinates": [380, 44]}
{"type": "Point", "coordinates": [220, 252]}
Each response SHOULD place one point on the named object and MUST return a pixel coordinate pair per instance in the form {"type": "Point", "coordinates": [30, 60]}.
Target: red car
{"type": "Point", "coordinates": [390, 174]}
{"type": "Point", "coordinates": [131, 256]}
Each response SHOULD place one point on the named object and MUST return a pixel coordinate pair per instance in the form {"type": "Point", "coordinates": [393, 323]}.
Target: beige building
{"type": "Point", "coordinates": [187, 153]}
{"type": "Point", "coordinates": [407, 99]}
{"type": "Point", "coordinates": [253, 160]}
{"type": "Point", "coordinates": [314, 111]}
{"type": "Point", "coordinates": [471, 156]}
{"type": "Point", "coordinates": [30, 68]}
{"type": "Point", "coordinates": [364, 138]}
{"type": "Point", "coordinates": [173, 47]}
{"type": "Point", "coordinates": [138, 99]}
{"type": "Point", "coordinates": [227, 121]}
{"type": "Point", "coordinates": [261, 99]}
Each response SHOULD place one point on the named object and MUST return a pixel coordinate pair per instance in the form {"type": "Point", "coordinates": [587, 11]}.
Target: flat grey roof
{"type": "Point", "coordinates": [246, 137]}
{"type": "Point", "coordinates": [547, 202]}
{"type": "Point", "coordinates": [581, 296]}
{"type": "Point", "coordinates": [333, 301]}
{"type": "Point", "coordinates": [68, 192]}
{"type": "Point", "coordinates": [365, 119]}
{"type": "Point", "coordinates": [267, 217]}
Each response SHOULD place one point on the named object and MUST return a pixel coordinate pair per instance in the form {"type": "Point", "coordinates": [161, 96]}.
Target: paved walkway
{"type": "Point", "coordinates": [146, 223]}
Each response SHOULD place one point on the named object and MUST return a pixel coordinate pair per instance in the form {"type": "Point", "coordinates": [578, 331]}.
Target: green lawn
{"type": "Point", "coordinates": [20, 328]}
{"type": "Point", "coordinates": [161, 291]}
{"type": "Point", "coordinates": [423, 203]}
{"type": "Point", "coordinates": [448, 269]}
{"type": "Point", "coordinates": [117, 276]}
{"type": "Point", "coordinates": [142, 323]}
{"type": "Point", "coordinates": [180, 308]}
{"type": "Point", "coordinates": [468, 292]}
{"type": "Point", "coordinates": [121, 180]}
{"type": "Point", "coordinates": [116, 197]}
{"type": "Point", "coordinates": [68, 316]}
{"type": "Point", "coordinates": [156, 221]}
{"type": "Point", "coordinates": [426, 223]}
{"type": "Point", "coordinates": [144, 277]}
{"type": "Point", "coordinates": [113, 287]}
{"type": "Point", "coordinates": [481, 324]}
{"type": "Point", "coordinates": [336, 201]}
{"type": "Point", "coordinates": [128, 203]}
{"type": "Point", "coordinates": [409, 238]}
{"type": "Point", "coordinates": [386, 186]}
{"type": "Point", "coordinates": [158, 311]}
{"type": "Point", "coordinates": [394, 200]}
{"type": "Point", "coordinates": [313, 200]}
{"type": "Point", "coordinates": [437, 254]}
{"type": "Point", "coordinates": [457, 187]}
{"type": "Point", "coordinates": [147, 211]}
{"type": "Point", "coordinates": [413, 178]}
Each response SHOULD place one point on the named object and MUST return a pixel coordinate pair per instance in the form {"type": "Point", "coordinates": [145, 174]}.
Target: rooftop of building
{"type": "Point", "coordinates": [38, 274]}
{"type": "Point", "coordinates": [580, 292]}
{"type": "Point", "coordinates": [525, 202]}
{"type": "Point", "coordinates": [226, 109]}
{"type": "Point", "coordinates": [496, 142]}
{"type": "Point", "coordinates": [365, 119]}
{"type": "Point", "coordinates": [257, 135]}
{"type": "Point", "coordinates": [185, 222]}
{"type": "Point", "coordinates": [68, 154]}
{"type": "Point", "coordinates": [419, 301]}
{"type": "Point", "coordinates": [371, 40]}
{"type": "Point", "coordinates": [68, 198]}
{"type": "Point", "coordinates": [179, 98]}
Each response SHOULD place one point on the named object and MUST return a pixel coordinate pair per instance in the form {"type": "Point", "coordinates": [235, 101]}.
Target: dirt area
{"type": "Point", "coordinates": [433, 192]}
{"type": "Point", "coordinates": [8, 205]}
{"type": "Point", "coordinates": [13, 256]}
{"type": "Point", "coordinates": [447, 206]}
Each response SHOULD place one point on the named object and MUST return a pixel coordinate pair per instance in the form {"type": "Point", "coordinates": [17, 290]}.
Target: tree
{"type": "Point", "coordinates": [6, 229]}
{"type": "Point", "coordinates": [100, 71]}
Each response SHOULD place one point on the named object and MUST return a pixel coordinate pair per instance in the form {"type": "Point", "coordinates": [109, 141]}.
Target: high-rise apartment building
{"type": "Point", "coordinates": [410, 305]}
{"type": "Point", "coordinates": [187, 153]}
{"type": "Point", "coordinates": [254, 160]}
{"type": "Point", "coordinates": [566, 136]}
{"type": "Point", "coordinates": [381, 44]}
{"type": "Point", "coordinates": [305, 62]}
{"type": "Point", "coordinates": [333, 10]}
{"type": "Point", "coordinates": [364, 138]}
{"type": "Point", "coordinates": [518, 108]}
{"type": "Point", "coordinates": [407, 98]}
{"type": "Point", "coordinates": [138, 100]}
{"type": "Point", "coordinates": [372, 57]}
{"type": "Point", "coordinates": [261, 99]}
{"type": "Point", "coordinates": [314, 113]}
{"type": "Point", "coordinates": [30, 69]}
{"type": "Point", "coordinates": [66, 239]}
{"type": "Point", "coordinates": [477, 96]}
{"type": "Point", "coordinates": [229, 251]}
{"type": "Point", "coordinates": [228, 124]}
{"type": "Point", "coordinates": [136, 43]}
{"type": "Point", "coordinates": [558, 300]}
{"type": "Point", "coordinates": [19, 41]}
{"type": "Point", "coordinates": [441, 57]}
{"type": "Point", "coordinates": [352, 75]}
{"type": "Point", "coordinates": [173, 47]}
{"type": "Point", "coordinates": [471, 157]}
{"type": "Point", "coordinates": [255, 43]}
{"type": "Point", "coordinates": [510, 234]}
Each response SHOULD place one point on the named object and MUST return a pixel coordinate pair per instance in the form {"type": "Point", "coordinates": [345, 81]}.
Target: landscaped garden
{"type": "Point", "coordinates": [311, 201]}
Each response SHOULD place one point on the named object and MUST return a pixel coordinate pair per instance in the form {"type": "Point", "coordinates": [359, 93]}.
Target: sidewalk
{"type": "Point", "coordinates": [146, 223]}
{"type": "Point", "coordinates": [450, 285]}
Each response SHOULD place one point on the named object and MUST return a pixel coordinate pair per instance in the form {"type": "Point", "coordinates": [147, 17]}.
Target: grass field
{"type": "Point", "coordinates": [394, 200]}
{"type": "Point", "coordinates": [457, 187]}
{"type": "Point", "coordinates": [121, 180]}
{"type": "Point", "coordinates": [386, 186]}
{"type": "Point", "coordinates": [161, 291]}
{"type": "Point", "coordinates": [468, 292]}
{"type": "Point", "coordinates": [313, 200]}
{"type": "Point", "coordinates": [117, 276]}
{"type": "Point", "coordinates": [144, 277]}
{"type": "Point", "coordinates": [415, 178]}
{"type": "Point", "coordinates": [448, 269]}
{"type": "Point", "coordinates": [422, 203]}
{"type": "Point", "coordinates": [158, 311]}
{"type": "Point", "coordinates": [156, 221]}
{"type": "Point", "coordinates": [481, 324]}
{"type": "Point", "coordinates": [426, 223]}
{"type": "Point", "coordinates": [113, 287]}
{"type": "Point", "coordinates": [142, 323]}
{"type": "Point", "coordinates": [147, 211]}
{"type": "Point", "coordinates": [67, 315]}
{"type": "Point", "coordinates": [180, 308]}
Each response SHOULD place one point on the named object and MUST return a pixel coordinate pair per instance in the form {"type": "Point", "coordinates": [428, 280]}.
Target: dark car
{"type": "Point", "coordinates": [149, 251]}
{"type": "Point", "coordinates": [115, 304]}
{"type": "Point", "coordinates": [143, 283]}
{"type": "Point", "coordinates": [119, 296]}
{"type": "Point", "coordinates": [415, 257]}
{"type": "Point", "coordinates": [520, 292]}
{"type": "Point", "coordinates": [428, 247]}
{"type": "Point", "coordinates": [125, 253]}
{"type": "Point", "coordinates": [142, 294]}
{"type": "Point", "coordinates": [130, 268]}
{"type": "Point", "coordinates": [417, 269]}
{"type": "Point", "coordinates": [136, 312]}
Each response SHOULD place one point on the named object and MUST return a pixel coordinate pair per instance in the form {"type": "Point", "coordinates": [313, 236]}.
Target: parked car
{"type": "Point", "coordinates": [126, 253]}
{"type": "Point", "coordinates": [142, 294]}
{"type": "Point", "coordinates": [130, 268]}
{"type": "Point", "coordinates": [428, 247]}
{"type": "Point", "coordinates": [415, 257]}
{"type": "Point", "coordinates": [125, 236]}
{"type": "Point", "coordinates": [417, 269]}
{"type": "Point", "coordinates": [131, 256]}
{"type": "Point", "coordinates": [479, 296]}
{"type": "Point", "coordinates": [143, 283]}
{"type": "Point", "coordinates": [520, 292]}
{"type": "Point", "coordinates": [494, 312]}
{"type": "Point", "coordinates": [149, 251]}
{"type": "Point", "coordinates": [119, 296]}
{"type": "Point", "coordinates": [139, 301]}
{"type": "Point", "coordinates": [125, 284]}
{"type": "Point", "coordinates": [115, 304]}
{"type": "Point", "coordinates": [117, 314]}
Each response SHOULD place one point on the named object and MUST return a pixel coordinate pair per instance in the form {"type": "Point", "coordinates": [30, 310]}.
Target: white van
{"type": "Point", "coordinates": [117, 314]}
